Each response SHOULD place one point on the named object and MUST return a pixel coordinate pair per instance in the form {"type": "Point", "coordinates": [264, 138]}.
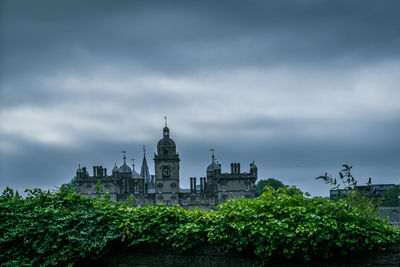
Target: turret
{"type": "Point", "coordinates": [166, 168]}
{"type": "Point", "coordinates": [214, 167]}
{"type": "Point", "coordinates": [253, 169]}
{"type": "Point", "coordinates": [125, 171]}
{"type": "Point", "coordinates": [115, 170]}
{"type": "Point", "coordinates": [79, 172]}
{"type": "Point", "coordinates": [135, 174]}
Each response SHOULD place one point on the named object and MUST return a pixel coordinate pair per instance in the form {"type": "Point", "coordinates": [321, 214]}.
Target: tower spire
{"type": "Point", "coordinates": [144, 171]}
{"type": "Point", "coordinates": [165, 130]}
{"type": "Point", "coordinates": [134, 173]}
{"type": "Point", "coordinates": [212, 154]}
{"type": "Point", "coordinates": [124, 152]}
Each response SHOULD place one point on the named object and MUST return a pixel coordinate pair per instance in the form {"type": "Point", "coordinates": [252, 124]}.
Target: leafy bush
{"type": "Point", "coordinates": [362, 199]}
{"type": "Point", "coordinates": [47, 229]}
{"type": "Point", "coordinates": [390, 198]}
{"type": "Point", "coordinates": [287, 223]}
{"type": "Point", "coordinates": [259, 188]}
{"type": "Point", "coordinates": [63, 228]}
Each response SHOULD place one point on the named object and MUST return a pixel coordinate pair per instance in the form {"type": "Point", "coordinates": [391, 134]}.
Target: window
{"type": "Point", "coordinates": [173, 187]}
{"type": "Point", "coordinates": [159, 188]}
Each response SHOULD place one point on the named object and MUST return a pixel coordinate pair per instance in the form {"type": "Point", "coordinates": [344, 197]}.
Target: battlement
{"type": "Point", "coordinates": [235, 175]}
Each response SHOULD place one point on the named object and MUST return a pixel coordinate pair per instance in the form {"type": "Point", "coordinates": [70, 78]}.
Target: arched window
{"type": "Point", "coordinates": [173, 187]}
{"type": "Point", "coordinates": [159, 188]}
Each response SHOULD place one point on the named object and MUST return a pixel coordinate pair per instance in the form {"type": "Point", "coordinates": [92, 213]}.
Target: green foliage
{"type": "Point", "coordinates": [52, 228]}
{"type": "Point", "coordinates": [361, 199]}
{"type": "Point", "coordinates": [274, 183]}
{"type": "Point", "coordinates": [390, 198]}
{"type": "Point", "coordinates": [63, 228]}
{"type": "Point", "coordinates": [72, 184]}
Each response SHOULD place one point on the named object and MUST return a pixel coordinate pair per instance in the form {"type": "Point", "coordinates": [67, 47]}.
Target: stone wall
{"type": "Point", "coordinates": [207, 256]}
{"type": "Point", "coordinates": [392, 214]}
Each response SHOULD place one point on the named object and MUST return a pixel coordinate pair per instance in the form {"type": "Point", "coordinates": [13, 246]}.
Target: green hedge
{"type": "Point", "coordinates": [63, 228]}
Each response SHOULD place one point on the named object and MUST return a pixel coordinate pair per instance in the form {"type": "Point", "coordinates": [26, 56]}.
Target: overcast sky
{"type": "Point", "coordinates": [300, 87]}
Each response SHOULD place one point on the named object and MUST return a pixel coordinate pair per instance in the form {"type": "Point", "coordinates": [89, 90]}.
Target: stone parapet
{"type": "Point", "coordinates": [207, 256]}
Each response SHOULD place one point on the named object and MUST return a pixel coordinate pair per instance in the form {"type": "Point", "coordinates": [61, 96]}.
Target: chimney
{"type": "Point", "coordinates": [232, 168]}
{"type": "Point", "coordinates": [105, 172]}
{"type": "Point", "coordinates": [194, 185]}
{"type": "Point", "coordinates": [141, 188]}
{"type": "Point", "coordinates": [94, 171]}
{"type": "Point", "coordinates": [191, 184]}
{"type": "Point", "coordinates": [238, 168]}
{"type": "Point", "coordinates": [201, 185]}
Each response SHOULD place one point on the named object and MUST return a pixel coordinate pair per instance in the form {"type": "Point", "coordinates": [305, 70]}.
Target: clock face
{"type": "Point", "coordinates": [166, 173]}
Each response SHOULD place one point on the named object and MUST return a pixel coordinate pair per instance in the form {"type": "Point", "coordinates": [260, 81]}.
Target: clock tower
{"type": "Point", "coordinates": [166, 164]}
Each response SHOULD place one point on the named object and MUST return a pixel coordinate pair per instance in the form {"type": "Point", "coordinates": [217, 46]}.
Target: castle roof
{"type": "Point", "coordinates": [166, 146]}
{"type": "Point", "coordinates": [124, 168]}
{"type": "Point", "coordinates": [252, 165]}
{"type": "Point", "coordinates": [115, 169]}
{"type": "Point", "coordinates": [135, 174]}
{"type": "Point", "coordinates": [79, 170]}
{"type": "Point", "coordinates": [166, 142]}
{"type": "Point", "coordinates": [213, 166]}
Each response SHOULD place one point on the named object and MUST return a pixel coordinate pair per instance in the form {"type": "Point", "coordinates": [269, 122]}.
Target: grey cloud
{"type": "Point", "coordinates": [187, 36]}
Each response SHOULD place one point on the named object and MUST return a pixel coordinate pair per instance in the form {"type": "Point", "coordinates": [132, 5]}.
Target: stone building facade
{"type": "Point", "coordinates": [164, 187]}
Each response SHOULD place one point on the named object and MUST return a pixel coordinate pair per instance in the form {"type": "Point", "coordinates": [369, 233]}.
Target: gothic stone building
{"type": "Point", "coordinates": [163, 186]}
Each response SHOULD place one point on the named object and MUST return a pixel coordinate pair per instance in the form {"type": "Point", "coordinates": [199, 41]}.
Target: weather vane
{"type": "Point", "coordinates": [144, 149]}
{"type": "Point", "coordinates": [124, 152]}
{"type": "Point", "coordinates": [165, 118]}
{"type": "Point", "coordinates": [212, 151]}
{"type": "Point", "coordinates": [133, 162]}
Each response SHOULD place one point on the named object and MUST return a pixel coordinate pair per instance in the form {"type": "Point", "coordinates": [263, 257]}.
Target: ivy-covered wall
{"type": "Point", "coordinates": [64, 228]}
{"type": "Point", "coordinates": [208, 256]}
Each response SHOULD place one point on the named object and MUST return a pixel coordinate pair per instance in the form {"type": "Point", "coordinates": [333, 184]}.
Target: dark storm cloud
{"type": "Point", "coordinates": [300, 87]}
{"type": "Point", "coordinates": [45, 38]}
{"type": "Point", "coordinates": [180, 36]}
